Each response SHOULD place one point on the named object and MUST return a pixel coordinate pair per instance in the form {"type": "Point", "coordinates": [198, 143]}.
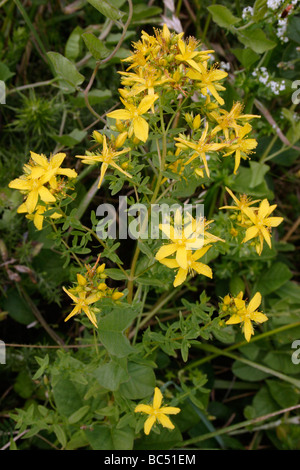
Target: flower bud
{"type": "Point", "coordinates": [120, 139]}
{"type": "Point", "coordinates": [98, 137]}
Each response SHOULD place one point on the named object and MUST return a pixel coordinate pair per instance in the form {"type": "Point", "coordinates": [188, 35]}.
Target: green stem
{"type": "Point", "coordinates": [233, 427]}
{"type": "Point", "coordinates": [266, 334]}
{"type": "Point", "coordinates": [153, 199]}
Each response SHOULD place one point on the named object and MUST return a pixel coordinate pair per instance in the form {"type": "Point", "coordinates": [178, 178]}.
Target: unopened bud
{"type": "Point", "coordinates": [121, 139]}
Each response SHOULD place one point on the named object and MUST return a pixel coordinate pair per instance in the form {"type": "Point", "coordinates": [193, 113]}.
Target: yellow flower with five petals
{"type": "Point", "coordinates": [157, 412]}
{"type": "Point", "coordinates": [139, 125]}
{"type": "Point", "coordinates": [246, 314]}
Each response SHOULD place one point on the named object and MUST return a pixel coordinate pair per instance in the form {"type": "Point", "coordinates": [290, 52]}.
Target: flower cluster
{"type": "Point", "coordinates": [242, 313]}
{"type": "Point", "coordinates": [189, 241]}
{"type": "Point", "coordinates": [42, 185]}
{"type": "Point", "coordinates": [227, 135]}
{"type": "Point", "coordinates": [88, 289]}
{"type": "Point", "coordinates": [256, 220]}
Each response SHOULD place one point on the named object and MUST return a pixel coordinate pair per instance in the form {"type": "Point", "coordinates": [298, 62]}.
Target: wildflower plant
{"type": "Point", "coordinates": [168, 140]}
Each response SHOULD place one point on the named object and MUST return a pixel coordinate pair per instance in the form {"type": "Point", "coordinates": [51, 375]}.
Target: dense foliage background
{"type": "Point", "coordinates": [228, 384]}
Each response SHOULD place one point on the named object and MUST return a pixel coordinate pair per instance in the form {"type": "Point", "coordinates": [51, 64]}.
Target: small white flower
{"type": "Point", "coordinates": [273, 4]}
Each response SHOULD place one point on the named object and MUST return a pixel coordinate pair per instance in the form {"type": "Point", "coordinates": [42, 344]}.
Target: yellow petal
{"type": "Point", "coordinates": [57, 159]}
{"type": "Point", "coordinates": [273, 221]}
{"type": "Point", "coordinates": [259, 317]}
{"type": "Point", "coordinates": [20, 184]}
{"type": "Point", "coordinates": [180, 277]}
{"type": "Point", "coordinates": [263, 209]}
{"type": "Point", "coordinates": [266, 236]}
{"type": "Point", "coordinates": [165, 421]}
{"type": "Point", "coordinates": [143, 409]}
{"type": "Point", "coordinates": [38, 220]}
{"type": "Point", "coordinates": [141, 128]}
{"type": "Point", "coordinates": [148, 424]}
{"type": "Point", "coordinates": [165, 251]}
{"type": "Point", "coordinates": [170, 410]}
{"type": "Point", "coordinates": [39, 159]}
{"type": "Point", "coordinates": [31, 201]}
{"type": "Point", "coordinates": [181, 257]}
{"type": "Point", "coordinates": [170, 263]}
{"type": "Point", "coordinates": [234, 319]}
{"type": "Point", "coordinates": [254, 303]}
{"type": "Point", "coordinates": [122, 114]}
{"type": "Point", "coordinates": [202, 268]}
{"type": "Point", "coordinates": [146, 103]}
{"type": "Point", "coordinates": [251, 232]}
{"type": "Point", "coordinates": [157, 399]}
{"type": "Point", "coordinates": [248, 330]}
{"type": "Point", "coordinates": [45, 194]}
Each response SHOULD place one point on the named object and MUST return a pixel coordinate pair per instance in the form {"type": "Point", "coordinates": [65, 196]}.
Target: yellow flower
{"type": "Point", "coordinates": [33, 188]}
{"type": "Point", "coordinates": [37, 174]}
{"type": "Point", "coordinates": [48, 169]}
{"type": "Point", "coordinates": [157, 413]}
{"type": "Point", "coordinates": [207, 77]}
{"type": "Point", "coordinates": [241, 146]}
{"type": "Point", "coordinates": [140, 127]}
{"type": "Point", "coordinates": [192, 265]}
{"type": "Point", "coordinates": [201, 148]}
{"type": "Point", "coordinates": [188, 53]}
{"type": "Point", "coordinates": [241, 203]}
{"type": "Point", "coordinates": [38, 216]}
{"type": "Point", "coordinates": [82, 302]}
{"type": "Point", "coordinates": [106, 157]}
{"type": "Point", "coordinates": [262, 224]}
{"type": "Point", "coordinates": [247, 314]}
{"type": "Point", "coordinates": [228, 119]}
{"type": "Point", "coordinates": [143, 81]}
{"type": "Point", "coordinates": [183, 240]}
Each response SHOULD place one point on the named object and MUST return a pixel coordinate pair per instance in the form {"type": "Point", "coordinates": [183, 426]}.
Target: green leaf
{"type": "Point", "coordinates": [258, 171]}
{"type": "Point", "coordinates": [66, 72]}
{"type": "Point", "coordinates": [95, 46]}
{"type": "Point", "coordinates": [17, 308]}
{"type": "Point", "coordinates": [72, 139]}
{"type": "Point", "coordinates": [163, 440]}
{"type": "Point", "coordinates": [293, 29]}
{"type": "Point", "coordinates": [43, 363]}
{"type": "Point", "coordinates": [284, 394]}
{"type": "Point", "coordinates": [111, 375]}
{"type": "Point", "coordinates": [5, 73]}
{"type": "Point", "coordinates": [241, 185]}
{"type": "Point", "coordinates": [111, 330]}
{"type": "Point", "coordinates": [102, 437]}
{"type": "Point", "coordinates": [248, 373]}
{"type": "Point", "coordinates": [273, 278]}
{"type": "Point", "coordinates": [256, 40]}
{"type": "Point", "coordinates": [24, 385]}
{"type": "Point", "coordinates": [260, 8]}
{"type": "Point", "coordinates": [236, 285]}
{"type": "Point", "coordinates": [72, 48]}
{"type": "Point", "coordinates": [141, 382]}
{"type": "Point", "coordinates": [60, 434]}
{"type": "Point", "coordinates": [107, 9]}
{"type": "Point", "coordinates": [140, 13]}
{"type": "Point", "coordinates": [115, 274]}
{"type": "Point", "coordinates": [223, 16]}
{"type": "Point", "coordinates": [263, 403]}
{"type": "Point", "coordinates": [282, 362]}
{"type": "Point", "coordinates": [95, 97]}
{"type": "Point", "coordinates": [78, 414]}
{"type": "Point", "coordinates": [246, 56]}
{"type": "Point", "coordinates": [68, 396]}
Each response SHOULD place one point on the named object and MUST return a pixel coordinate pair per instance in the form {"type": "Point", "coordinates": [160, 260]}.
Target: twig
{"type": "Point", "coordinates": [274, 125]}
